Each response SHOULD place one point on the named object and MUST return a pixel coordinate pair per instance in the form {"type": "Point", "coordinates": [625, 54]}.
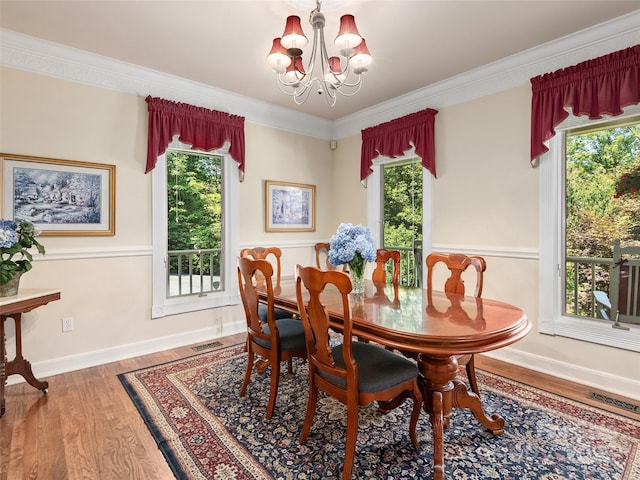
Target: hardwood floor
{"type": "Point", "coordinates": [86, 427]}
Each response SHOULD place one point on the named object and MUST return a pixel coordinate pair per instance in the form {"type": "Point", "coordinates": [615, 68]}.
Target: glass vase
{"type": "Point", "coordinates": [357, 283]}
{"type": "Point", "coordinates": [10, 287]}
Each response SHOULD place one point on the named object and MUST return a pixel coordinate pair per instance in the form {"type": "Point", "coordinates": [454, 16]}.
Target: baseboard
{"type": "Point", "coordinates": [567, 371]}
{"type": "Point", "coordinates": [608, 382]}
{"type": "Point", "coordinates": [57, 366]}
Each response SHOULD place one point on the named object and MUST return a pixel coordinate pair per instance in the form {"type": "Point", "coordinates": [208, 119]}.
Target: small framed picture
{"type": "Point", "coordinates": [60, 197]}
{"type": "Point", "coordinates": [290, 207]}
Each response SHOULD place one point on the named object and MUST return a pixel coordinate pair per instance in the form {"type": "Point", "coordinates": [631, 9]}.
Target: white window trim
{"type": "Point", "coordinates": [163, 306]}
{"type": "Point", "coordinates": [552, 321]}
{"type": "Point", "coordinates": [374, 203]}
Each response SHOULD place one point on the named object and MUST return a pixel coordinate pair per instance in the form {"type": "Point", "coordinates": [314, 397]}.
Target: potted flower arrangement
{"type": "Point", "coordinates": [353, 245]}
{"type": "Point", "coordinates": [629, 184]}
{"type": "Point", "coordinates": [15, 241]}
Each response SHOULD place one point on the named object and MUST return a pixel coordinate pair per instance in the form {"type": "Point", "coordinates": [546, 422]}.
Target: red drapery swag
{"type": "Point", "coordinates": [199, 127]}
{"type": "Point", "coordinates": [603, 85]}
{"type": "Point", "coordinates": [393, 138]}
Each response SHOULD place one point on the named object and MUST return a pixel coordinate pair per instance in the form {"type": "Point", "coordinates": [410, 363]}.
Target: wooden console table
{"type": "Point", "coordinates": [13, 307]}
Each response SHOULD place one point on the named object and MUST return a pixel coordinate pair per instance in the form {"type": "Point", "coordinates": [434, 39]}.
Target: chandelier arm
{"type": "Point", "coordinates": [312, 60]}
{"type": "Point", "coordinates": [302, 94]}
{"type": "Point", "coordinates": [286, 87]}
{"type": "Point", "coordinates": [349, 93]}
{"type": "Point", "coordinates": [358, 83]}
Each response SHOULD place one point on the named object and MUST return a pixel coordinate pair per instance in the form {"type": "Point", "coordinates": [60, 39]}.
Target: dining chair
{"type": "Point", "coordinates": [379, 279]}
{"type": "Point", "coordinates": [271, 254]}
{"type": "Point", "coordinates": [353, 372]}
{"type": "Point", "coordinates": [322, 257]}
{"type": "Point", "coordinates": [457, 264]}
{"type": "Point", "coordinates": [383, 256]}
{"type": "Point", "coordinates": [276, 340]}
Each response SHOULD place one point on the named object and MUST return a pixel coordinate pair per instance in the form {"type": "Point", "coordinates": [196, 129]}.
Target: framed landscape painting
{"type": "Point", "coordinates": [60, 197]}
{"type": "Point", "coordinates": [290, 207]}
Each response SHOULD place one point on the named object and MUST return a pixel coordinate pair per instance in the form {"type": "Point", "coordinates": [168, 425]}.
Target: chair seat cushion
{"type": "Point", "coordinates": [277, 313]}
{"type": "Point", "coordinates": [291, 334]}
{"type": "Point", "coordinates": [378, 368]}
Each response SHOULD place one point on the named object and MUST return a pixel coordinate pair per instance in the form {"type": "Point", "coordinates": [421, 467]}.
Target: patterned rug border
{"type": "Point", "coordinates": [154, 429]}
{"type": "Point", "coordinates": [526, 395]}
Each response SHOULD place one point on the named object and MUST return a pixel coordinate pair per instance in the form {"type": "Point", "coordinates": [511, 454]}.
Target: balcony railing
{"type": "Point", "coordinates": [197, 272]}
{"type": "Point", "coordinates": [192, 272]}
{"type": "Point", "coordinates": [584, 276]}
{"type": "Point", "coordinates": [410, 266]}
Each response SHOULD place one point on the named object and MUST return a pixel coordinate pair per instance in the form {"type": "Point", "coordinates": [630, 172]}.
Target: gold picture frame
{"type": "Point", "coordinates": [290, 207]}
{"type": "Point", "coordinates": [60, 197]}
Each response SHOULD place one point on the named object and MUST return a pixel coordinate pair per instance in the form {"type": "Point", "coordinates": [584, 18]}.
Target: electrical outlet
{"type": "Point", "coordinates": [67, 324]}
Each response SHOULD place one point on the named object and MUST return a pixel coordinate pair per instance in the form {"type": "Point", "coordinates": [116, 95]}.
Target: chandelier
{"type": "Point", "coordinates": [323, 74]}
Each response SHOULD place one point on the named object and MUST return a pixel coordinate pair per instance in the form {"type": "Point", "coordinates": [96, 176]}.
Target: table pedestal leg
{"type": "Point", "coordinates": [441, 393]}
{"type": "Point", "coordinates": [19, 365]}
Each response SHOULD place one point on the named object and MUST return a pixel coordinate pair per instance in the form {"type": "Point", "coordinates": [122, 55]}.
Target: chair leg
{"type": "Point", "coordinates": [350, 445]}
{"type": "Point", "coordinates": [311, 410]}
{"type": "Point", "coordinates": [273, 389]}
{"type": "Point", "coordinates": [290, 365]}
{"type": "Point", "coordinates": [247, 375]}
{"type": "Point", "coordinates": [471, 375]}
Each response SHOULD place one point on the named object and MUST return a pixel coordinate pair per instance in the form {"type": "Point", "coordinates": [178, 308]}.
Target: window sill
{"type": "Point", "coordinates": [596, 331]}
{"type": "Point", "coordinates": [193, 303]}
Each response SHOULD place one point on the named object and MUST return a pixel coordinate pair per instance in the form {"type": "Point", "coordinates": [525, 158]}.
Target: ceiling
{"type": "Point", "coordinates": [223, 43]}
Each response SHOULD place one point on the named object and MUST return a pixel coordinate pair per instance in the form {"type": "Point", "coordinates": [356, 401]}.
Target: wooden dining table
{"type": "Point", "coordinates": [434, 328]}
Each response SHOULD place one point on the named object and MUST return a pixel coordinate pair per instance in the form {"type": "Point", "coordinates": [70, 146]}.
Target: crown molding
{"type": "Point", "coordinates": [510, 72]}
{"type": "Point", "coordinates": [42, 57]}
{"type": "Point", "coordinates": [46, 58]}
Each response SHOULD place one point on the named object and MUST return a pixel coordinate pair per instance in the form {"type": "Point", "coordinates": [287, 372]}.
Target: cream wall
{"type": "Point", "coordinates": [486, 200]}
{"type": "Point", "coordinates": [288, 157]}
{"type": "Point", "coordinates": [350, 200]}
{"type": "Point", "coordinates": [106, 281]}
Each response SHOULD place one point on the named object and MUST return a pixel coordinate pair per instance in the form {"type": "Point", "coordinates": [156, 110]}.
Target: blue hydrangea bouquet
{"type": "Point", "coordinates": [353, 245]}
{"type": "Point", "coordinates": [15, 241]}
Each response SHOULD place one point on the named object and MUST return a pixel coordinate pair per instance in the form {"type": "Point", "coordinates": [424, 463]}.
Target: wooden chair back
{"type": "Point", "coordinates": [380, 273]}
{"type": "Point", "coordinates": [316, 325]}
{"type": "Point", "coordinates": [625, 283]}
{"type": "Point", "coordinates": [322, 257]}
{"type": "Point", "coordinates": [457, 264]}
{"type": "Point", "coordinates": [254, 274]}
{"type": "Point", "coordinates": [271, 254]}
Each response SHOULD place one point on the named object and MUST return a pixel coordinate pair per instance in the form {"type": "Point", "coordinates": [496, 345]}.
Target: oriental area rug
{"type": "Point", "coordinates": [207, 431]}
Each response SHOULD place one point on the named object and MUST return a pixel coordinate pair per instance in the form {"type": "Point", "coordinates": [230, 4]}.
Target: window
{"type": "Point", "coordinates": [195, 211]}
{"type": "Point", "coordinates": [399, 215]}
{"type": "Point", "coordinates": [402, 216]}
{"type": "Point", "coordinates": [580, 220]}
{"type": "Point", "coordinates": [194, 218]}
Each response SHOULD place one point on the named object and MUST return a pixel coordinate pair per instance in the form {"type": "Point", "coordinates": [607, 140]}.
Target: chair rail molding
{"type": "Point", "coordinates": [58, 254]}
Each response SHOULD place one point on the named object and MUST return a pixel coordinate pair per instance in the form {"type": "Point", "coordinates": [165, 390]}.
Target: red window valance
{"type": "Point", "coordinates": [199, 127]}
{"type": "Point", "coordinates": [604, 85]}
{"type": "Point", "coordinates": [393, 138]}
